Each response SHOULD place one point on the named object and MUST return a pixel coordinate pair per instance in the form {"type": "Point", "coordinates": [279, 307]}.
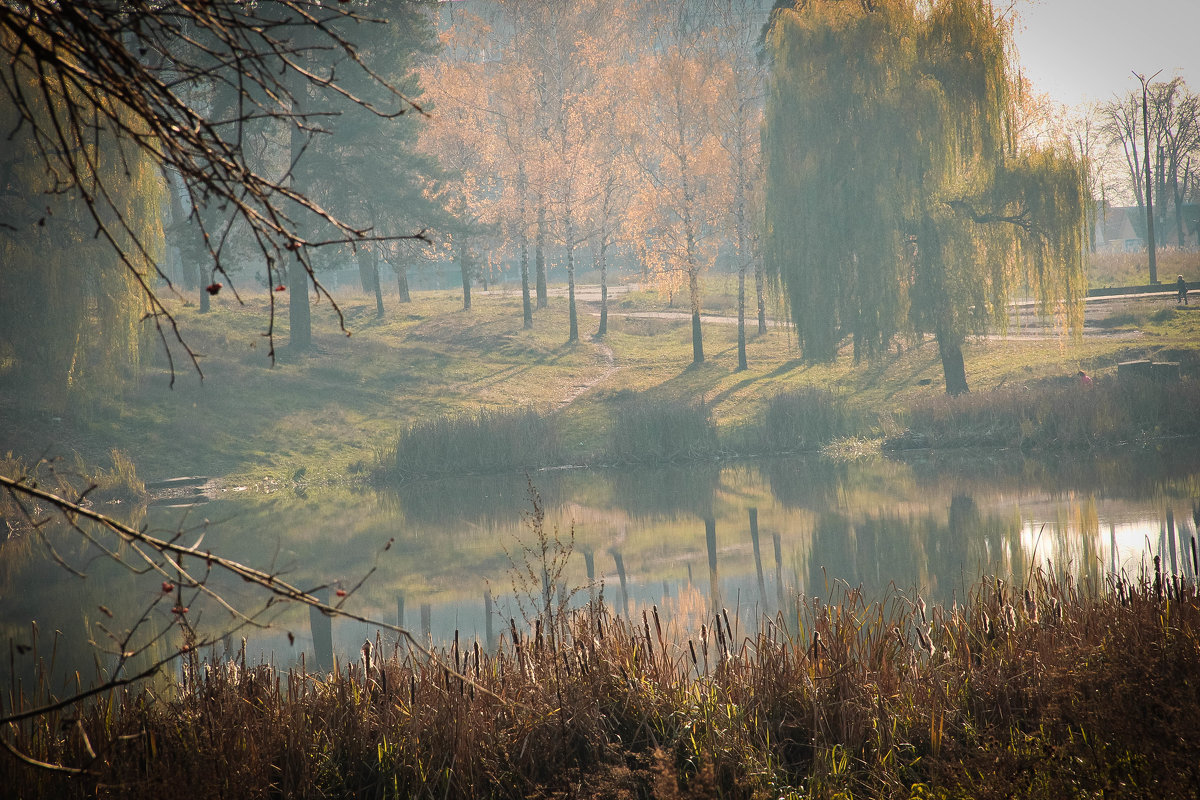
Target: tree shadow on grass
{"type": "Point", "coordinates": [750, 380]}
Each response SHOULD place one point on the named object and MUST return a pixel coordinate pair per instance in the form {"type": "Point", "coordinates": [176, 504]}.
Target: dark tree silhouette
{"type": "Point", "coordinates": [184, 84]}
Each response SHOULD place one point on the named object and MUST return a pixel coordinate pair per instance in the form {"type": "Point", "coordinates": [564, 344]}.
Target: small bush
{"type": "Point", "coordinates": [649, 432]}
{"type": "Point", "coordinates": [802, 420]}
{"type": "Point", "coordinates": [490, 441]}
{"type": "Point", "coordinates": [1126, 319]}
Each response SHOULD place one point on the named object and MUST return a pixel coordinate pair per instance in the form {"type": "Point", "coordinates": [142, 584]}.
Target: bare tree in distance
{"type": "Point", "coordinates": [141, 73]}
{"type": "Point", "coordinates": [1150, 244]}
{"type": "Point", "coordinates": [1177, 112]}
{"type": "Point", "coordinates": [739, 117]}
{"type": "Point", "coordinates": [1158, 131]}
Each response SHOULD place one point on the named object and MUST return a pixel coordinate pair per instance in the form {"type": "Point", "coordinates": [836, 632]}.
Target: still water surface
{"type": "Point", "coordinates": [747, 537]}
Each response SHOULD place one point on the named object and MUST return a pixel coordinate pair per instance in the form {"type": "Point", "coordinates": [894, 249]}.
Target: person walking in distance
{"type": "Point", "coordinates": [1182, 287]}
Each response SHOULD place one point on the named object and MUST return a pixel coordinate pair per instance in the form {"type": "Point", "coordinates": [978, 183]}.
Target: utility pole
{"type": "Point", "coordinates": [1146, 153]}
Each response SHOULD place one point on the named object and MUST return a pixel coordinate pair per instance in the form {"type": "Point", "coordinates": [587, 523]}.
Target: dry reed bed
{"type": "Point", "coordinates": [1047, 691]}
{"type": "Point", "coordinates": [1111, 411]}
{"type": "Point", "coordinates": [1044, 417]}
{"type": "Point", "coordinates": [643, 431]}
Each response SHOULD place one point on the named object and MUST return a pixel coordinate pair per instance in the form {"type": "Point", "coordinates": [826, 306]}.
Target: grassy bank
{"type": "Point", "coordinates": [1052, 416]}
{"type": "Point", "coordinates": [332, 413]}
{"type": "Point", "coordinates": [118, 483]}
{"type": "Point", "coordinates": [1047, 692]}
{"type": "Point", "coordinates": [1062, 416]}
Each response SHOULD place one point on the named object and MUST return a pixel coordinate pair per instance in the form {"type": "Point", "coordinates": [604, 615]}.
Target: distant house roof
{"type": "Point", "coordinates": [1122, 223]}
{"type": "Point", "coordinates": [1125, 224]}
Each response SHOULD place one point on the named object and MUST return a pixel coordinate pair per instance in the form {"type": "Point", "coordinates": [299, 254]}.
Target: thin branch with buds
{"type": "Point", "coordinates": [142, 75]}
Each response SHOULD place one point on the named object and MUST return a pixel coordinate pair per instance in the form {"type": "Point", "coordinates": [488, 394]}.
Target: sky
{"type": "Point", "coordinates": [1085, 50]}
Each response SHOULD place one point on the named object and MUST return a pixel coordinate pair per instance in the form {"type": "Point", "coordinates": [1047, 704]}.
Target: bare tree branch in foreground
{"type": "Point", "coordinates": [139, 77]}
{"type": "Point", "coordinates": [167, 558]}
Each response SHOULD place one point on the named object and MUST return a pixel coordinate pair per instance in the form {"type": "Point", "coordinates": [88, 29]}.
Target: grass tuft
{"type": "Point", "coordinates": [655, 432]}
{"type": "Point", "coordinates": [488, 441]}
{"type": "Point", "coordinates": [806, 418]}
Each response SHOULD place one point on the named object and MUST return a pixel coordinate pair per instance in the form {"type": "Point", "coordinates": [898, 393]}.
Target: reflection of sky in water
{"type": "Point", "coordinates": [925, 524]}
{"type": "Point", "coordinates": [1120, 545]}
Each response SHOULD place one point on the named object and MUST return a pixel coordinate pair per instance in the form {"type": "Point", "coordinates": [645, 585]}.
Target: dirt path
{"type": "Point", "coordinates": [608, 366]}
{"type": "Point", "coordinates": [1022, 327]}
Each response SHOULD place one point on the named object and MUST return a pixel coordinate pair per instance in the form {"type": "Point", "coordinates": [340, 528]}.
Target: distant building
{"type": "Point", "coordinates": [1118, 229]}
{"type": "Point", "coordinates": [1122, 229]}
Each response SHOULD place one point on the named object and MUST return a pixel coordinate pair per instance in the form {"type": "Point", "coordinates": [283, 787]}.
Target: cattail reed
{"type": "Point", "coordinates": [875, 681]}
{"type": "Point", "coordinates": [646, 631]}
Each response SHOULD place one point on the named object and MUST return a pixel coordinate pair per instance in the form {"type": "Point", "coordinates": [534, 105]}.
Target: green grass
{"type": "Point", "coordinates": [336, 410]}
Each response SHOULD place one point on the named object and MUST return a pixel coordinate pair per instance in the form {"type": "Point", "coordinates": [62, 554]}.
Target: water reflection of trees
{"type": "Point", "coordinates": [931, 523]}
{"type": "Point", "coordinates": [1134, 472]}
{"type": "Point", "coordinates": [52, 614]}
{"type": "Point", "coordinates": [666, 491]}
{"type": "Point", "coordinates": [806, 482]}
{"type": "Point", "coordinates": [486, 500]}
{"type": "Point", "coordinates": [493, 500]}
{"type": "Point", "coordinates": [924, 551]}
{"type": "Point", "coordinates": [811, 483]}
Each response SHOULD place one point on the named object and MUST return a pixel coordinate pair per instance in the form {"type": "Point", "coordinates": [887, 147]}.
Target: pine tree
{"type": "Point", "coordinates": [365, 167]}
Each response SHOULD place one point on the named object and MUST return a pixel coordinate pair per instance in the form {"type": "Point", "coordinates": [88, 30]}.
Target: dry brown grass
{"type": "Point", "coordinates": [1133, 269]}
{"type": "Point", "coordinates": [1054, 417]}
{"type": "Point", "coordinates": [1048, 691]}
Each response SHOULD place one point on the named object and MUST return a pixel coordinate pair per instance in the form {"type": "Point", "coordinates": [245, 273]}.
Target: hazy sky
{"type": "Point", "coordinates": [1083, 50]}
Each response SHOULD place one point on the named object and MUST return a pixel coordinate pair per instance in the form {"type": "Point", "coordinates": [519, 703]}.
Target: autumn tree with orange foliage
{"type": "Point", "coordinates": [617, 126]}
{"type": "Point", "coordinates": [673, 142]}
{"type": "Point", "coordinates": [485, 91]}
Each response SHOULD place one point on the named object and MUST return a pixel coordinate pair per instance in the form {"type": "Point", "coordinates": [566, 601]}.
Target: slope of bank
{"type": "Point", "coordinates": [326, 415]}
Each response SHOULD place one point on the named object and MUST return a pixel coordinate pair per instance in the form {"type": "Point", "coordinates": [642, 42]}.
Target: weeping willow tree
{"type": "Point", "coordinates": [897, 199]}
{"type": "Point", "coordinates": [72, 303]}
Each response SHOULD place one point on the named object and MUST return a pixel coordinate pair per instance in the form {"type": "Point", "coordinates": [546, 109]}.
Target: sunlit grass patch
{"type": "Point", "coordinates": [852, 448]}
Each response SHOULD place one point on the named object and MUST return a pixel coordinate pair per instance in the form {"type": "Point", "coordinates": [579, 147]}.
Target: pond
{"type": "Point", "coordinates": [463, 556]}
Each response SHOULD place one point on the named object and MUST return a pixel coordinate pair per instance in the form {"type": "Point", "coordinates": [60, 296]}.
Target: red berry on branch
{"type": "Point", "coordinates": [168, 587]}
{"type": "Point", "coordinates": [213, 288]}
